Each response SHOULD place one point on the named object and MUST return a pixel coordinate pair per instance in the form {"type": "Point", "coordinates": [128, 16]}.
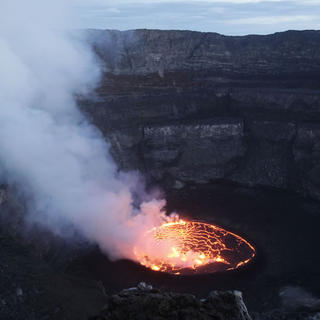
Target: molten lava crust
{"type": "Point", "coordinates": [190, 247]}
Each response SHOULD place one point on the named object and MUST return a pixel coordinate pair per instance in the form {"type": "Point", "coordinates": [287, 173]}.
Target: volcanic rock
{"type": "Point", "coordinates": [296, 298]}
{"type": "Point", "coordinates": [3, 195]}
{"type": "Point", "coordinates": [56, 250]}
{"type": "Point", "coordinates": [31, 289]}
{"type": "Point", "coordinates": [296, 304]}
{"type": "Point", "coordinates": [195, 107]}
{"type": "Point", "coordinates": [145, 302]}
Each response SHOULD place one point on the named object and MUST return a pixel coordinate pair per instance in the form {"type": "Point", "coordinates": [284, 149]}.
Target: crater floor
{"type": "Point", "coordinates": [283, 228]}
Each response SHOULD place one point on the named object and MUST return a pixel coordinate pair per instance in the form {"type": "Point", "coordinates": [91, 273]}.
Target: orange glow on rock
{"type": "Point", "coordinates": [190, 247]}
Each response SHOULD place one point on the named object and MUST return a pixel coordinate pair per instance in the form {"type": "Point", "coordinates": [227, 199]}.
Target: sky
{"type": "Point", "coordinates": [231, 17]}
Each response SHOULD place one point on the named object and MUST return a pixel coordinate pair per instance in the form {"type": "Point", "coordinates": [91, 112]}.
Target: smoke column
{"type": "Point", "coordinates": [60, 162]}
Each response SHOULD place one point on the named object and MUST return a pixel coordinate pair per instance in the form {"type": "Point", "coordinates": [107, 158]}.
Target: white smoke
{"type": "Point", "coordinates": [47, 147]}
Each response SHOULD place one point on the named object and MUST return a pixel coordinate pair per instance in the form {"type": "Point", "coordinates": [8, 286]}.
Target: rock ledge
{"type": "Point", "coordinates": [145, 302]}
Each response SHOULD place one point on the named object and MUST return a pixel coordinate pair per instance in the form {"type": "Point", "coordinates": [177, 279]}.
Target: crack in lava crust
{"type": "Point", "coordinates": [191, 247]}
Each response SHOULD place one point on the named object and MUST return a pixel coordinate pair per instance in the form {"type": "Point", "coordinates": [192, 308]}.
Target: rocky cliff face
{"type": "Point", "coordinates": [198, 107]}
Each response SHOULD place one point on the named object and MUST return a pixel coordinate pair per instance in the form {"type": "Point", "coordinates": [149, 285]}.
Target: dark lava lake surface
{"type": "Point", "coordinates": [284, 229]}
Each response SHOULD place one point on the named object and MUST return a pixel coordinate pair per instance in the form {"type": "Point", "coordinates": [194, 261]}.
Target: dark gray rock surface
{"type": "Point", "coordinates": [148, 303]}
{"type": "Point", "coordinates": [30, 289]}
{"type": "Point", "coordinates": [185, 106]}
{"type": "Point", "coordinates": [3, 195]}
{"type": "Point", "coordinates": [56, 250]}
{"type": "Point", "coordinates": [144, 302]}
{"type": "Point", "coordinates": [296, 304]}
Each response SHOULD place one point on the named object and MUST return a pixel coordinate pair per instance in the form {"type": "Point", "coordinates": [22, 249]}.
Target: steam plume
{"type": "Point", "coordinates": [47, 147]}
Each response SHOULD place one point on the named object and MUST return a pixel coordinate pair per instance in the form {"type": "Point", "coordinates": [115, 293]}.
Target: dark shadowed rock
{"type": "Point", "coordinates": [145, 302]}
{"type": "Point", "coordinates": [307, 157]}
{"type": "Point", "coordinates": [296, 304]}
{"type": "Point", "coordinates": [59, 251]}
{"type": "Point", "coordinates": [31, 289]}
{"type": "Point", "coordinates": [3, 195]}
{"type": "Point", "coordinates": [296, 298]}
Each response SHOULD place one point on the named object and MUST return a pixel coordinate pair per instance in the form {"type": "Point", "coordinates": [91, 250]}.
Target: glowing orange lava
{"type": "Point", "coordinates": [190, 247]}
